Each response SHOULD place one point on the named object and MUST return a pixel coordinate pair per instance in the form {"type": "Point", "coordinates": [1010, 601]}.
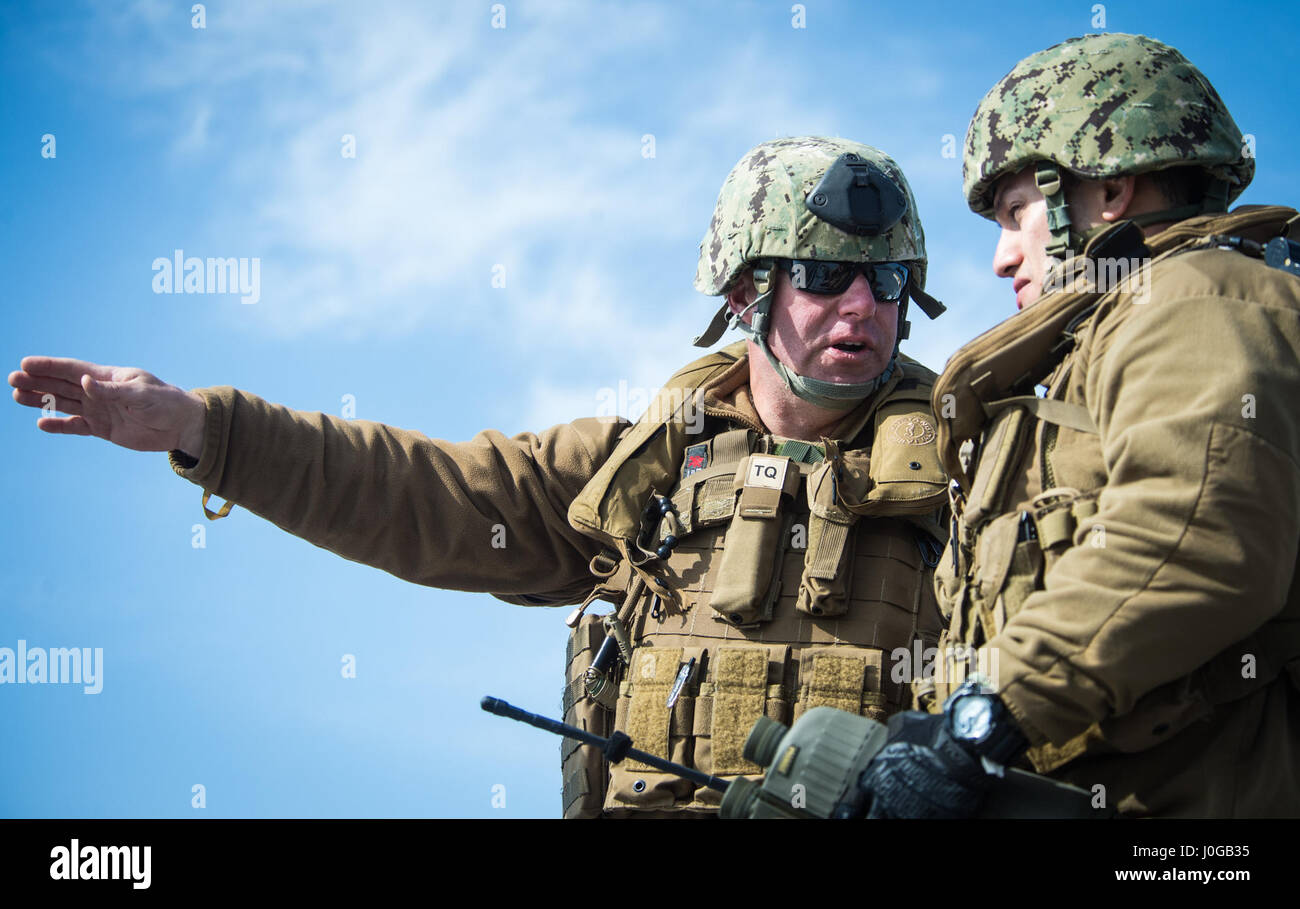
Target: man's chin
{"type": "Point", "coordinates": [856, 375]}
{"type": "Point", "coordinates": [1027, 298]}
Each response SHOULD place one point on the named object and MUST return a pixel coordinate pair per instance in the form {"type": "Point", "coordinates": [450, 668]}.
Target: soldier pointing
{"type": "Point", "coordinates": [763, 560]}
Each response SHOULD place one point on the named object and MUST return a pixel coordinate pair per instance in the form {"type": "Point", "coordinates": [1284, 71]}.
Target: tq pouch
{"type": "Point", "coordinates": [749, 569]}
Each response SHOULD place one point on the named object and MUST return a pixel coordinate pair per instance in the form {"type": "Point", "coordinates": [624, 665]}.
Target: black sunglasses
{"type": "Point", "coordinates": [887, 280]}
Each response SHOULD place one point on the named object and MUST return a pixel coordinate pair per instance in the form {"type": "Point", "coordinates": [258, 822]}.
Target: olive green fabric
{"type": "Point", "coordinates": [650, 678]}
{"type": "Point", "coordinates": [1122, 655]}
{"type": "Point", "coordinates": [738, 699]}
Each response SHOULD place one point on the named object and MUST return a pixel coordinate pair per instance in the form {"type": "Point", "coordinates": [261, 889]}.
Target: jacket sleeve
{"type": "Point", "coordinates": [1194, 394]}
{"type": "Point", "coordinates": [485, 515]}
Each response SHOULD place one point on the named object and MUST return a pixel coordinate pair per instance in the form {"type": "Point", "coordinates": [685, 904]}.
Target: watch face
{"type": "Point", "coordinates": [972, 718]}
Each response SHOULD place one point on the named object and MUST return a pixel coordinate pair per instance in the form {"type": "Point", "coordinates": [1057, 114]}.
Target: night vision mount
{"type": "Point", "coordinates": [857, 197]}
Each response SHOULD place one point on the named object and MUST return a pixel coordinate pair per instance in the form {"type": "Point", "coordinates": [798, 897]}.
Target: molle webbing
{"type": "Point", "coordinates": [584, 769]}
{"type": "Point", "coordinates": [730, 447]}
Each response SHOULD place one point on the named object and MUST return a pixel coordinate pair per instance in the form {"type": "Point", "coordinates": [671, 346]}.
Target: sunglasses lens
{"type": "Point", "coordinates": [887, 281]}
{"type": "Point", "coordinates": [815, 276]}
{"type": "Point", "coordinates": [819, 277]}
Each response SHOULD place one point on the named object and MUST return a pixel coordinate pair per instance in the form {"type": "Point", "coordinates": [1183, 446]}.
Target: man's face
{"type": "Point", "coordinates": [1021, 253]}
{"type": "Point", "coordinates": [806, 329]}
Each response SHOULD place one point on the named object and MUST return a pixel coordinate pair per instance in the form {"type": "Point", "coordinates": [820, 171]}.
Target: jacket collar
{"type": "Point", "coordinates": [730, 397]}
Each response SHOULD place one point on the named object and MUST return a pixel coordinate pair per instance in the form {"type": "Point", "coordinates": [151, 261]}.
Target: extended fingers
{"type": "Point", "coordinates": [71, 426]}
{"type": "Point", "coordinates": [39, 399]}
{"type": "Point", "coordinates": [64, 368]}
{"type": "Point", "coordinates": [39, 384]}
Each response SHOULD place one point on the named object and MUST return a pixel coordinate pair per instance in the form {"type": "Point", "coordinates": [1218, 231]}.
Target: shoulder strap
{"type": "Point", "coordinates": [1049, 410]}
{"type": "Point", "coordinates": [648, 457]}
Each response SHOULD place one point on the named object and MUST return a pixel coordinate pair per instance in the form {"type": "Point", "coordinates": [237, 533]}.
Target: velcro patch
{"type": "Point", "coordinates": [767, 471]}
{"type": "Point", "coordinates": [697, 458]}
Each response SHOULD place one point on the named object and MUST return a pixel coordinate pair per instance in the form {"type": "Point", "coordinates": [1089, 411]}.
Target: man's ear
{"type": "Point", "coordinates": [1116, 196]}
{"type": "Point", "coordinates": [742, 293]}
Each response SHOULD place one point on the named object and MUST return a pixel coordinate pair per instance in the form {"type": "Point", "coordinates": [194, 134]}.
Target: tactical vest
{"type": "Point", "coordinates": [795, 572]}
{"type": "Point", "coordinates": [1027, 472]}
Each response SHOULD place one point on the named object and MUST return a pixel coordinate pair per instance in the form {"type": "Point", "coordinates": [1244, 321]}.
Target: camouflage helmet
{"type": "Point", "coordinates": [811, 198]}
{"type": "Point", "coordinates": [1104, 105]}
{"type": "Point", "coordinates": [763, 212]}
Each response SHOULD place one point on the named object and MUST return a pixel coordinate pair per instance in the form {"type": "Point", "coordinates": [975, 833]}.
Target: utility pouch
{"type": "Point", "coordinates": [750, 565]}
{"type": "Point", "coordinates": [584, 770]}
{"type": "Point", "coordinates": [906, 476]}
{"type": "Point", "coordinates": [1009, 567]}
{"type": "Point", "coordinates": [900, 476]}
{"type": "Point", "coordinates": [1016, 549]}
{"type": "Point", "coordinates": [744, 682]}
{"type": "Point", "coordinates": [824, 585]}
{"type": "Point", "coordinates": [655, 726]}
{"type": "Point", "coordinates": [846, 678]}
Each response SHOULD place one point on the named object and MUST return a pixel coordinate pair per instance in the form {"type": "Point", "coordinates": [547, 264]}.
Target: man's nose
{"type": "Point", "coordinates": [858, 299]}
{"type": "Point", "coordinates": [1008, 256]}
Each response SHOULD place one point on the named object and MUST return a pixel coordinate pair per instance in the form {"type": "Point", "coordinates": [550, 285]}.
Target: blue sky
{"type": "Point", "coordinates": [513, 151]}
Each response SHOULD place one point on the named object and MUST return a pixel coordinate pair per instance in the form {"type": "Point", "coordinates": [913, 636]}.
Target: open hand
{"type": "Point", "coordinates": [127, 406]}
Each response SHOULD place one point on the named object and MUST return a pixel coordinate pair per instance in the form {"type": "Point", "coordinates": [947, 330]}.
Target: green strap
{"type": "Point", "coordinates": [797, 450]}
{"type": "Point", "coordinates": [1048, 179]}
{"type": "Point", "coordinates": [717, 326]}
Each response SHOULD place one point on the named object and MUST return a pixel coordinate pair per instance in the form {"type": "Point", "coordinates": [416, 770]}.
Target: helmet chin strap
{"type": "Point", "coordinates": [830, 395]}
{"type": "Point", "coordinates": [1047, 176]}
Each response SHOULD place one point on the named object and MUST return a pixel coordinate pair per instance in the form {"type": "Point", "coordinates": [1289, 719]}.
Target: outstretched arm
{"type": "Point", "coordinates": [484, 515]}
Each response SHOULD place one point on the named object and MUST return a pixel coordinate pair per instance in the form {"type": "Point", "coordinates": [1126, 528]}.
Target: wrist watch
{"type": "Point", "coordinates": [982, 724]}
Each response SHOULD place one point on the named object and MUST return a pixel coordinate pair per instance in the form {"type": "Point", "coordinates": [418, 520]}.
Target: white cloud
{"type": "Point", "coordinates": [195, 139]}
{"type": "Point", "coordinates": [519, 147]}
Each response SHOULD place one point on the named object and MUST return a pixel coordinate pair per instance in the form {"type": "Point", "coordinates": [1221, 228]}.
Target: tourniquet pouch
{"type": "Point", "coordinates": [748, 576]}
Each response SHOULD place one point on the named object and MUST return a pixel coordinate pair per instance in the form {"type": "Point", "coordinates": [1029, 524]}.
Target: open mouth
{"type": "Point", "coordinates": [849, 347]}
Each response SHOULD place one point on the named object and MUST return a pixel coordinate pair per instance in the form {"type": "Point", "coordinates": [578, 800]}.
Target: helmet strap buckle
{"type": "Point", "coordinates": [1048, 179]}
